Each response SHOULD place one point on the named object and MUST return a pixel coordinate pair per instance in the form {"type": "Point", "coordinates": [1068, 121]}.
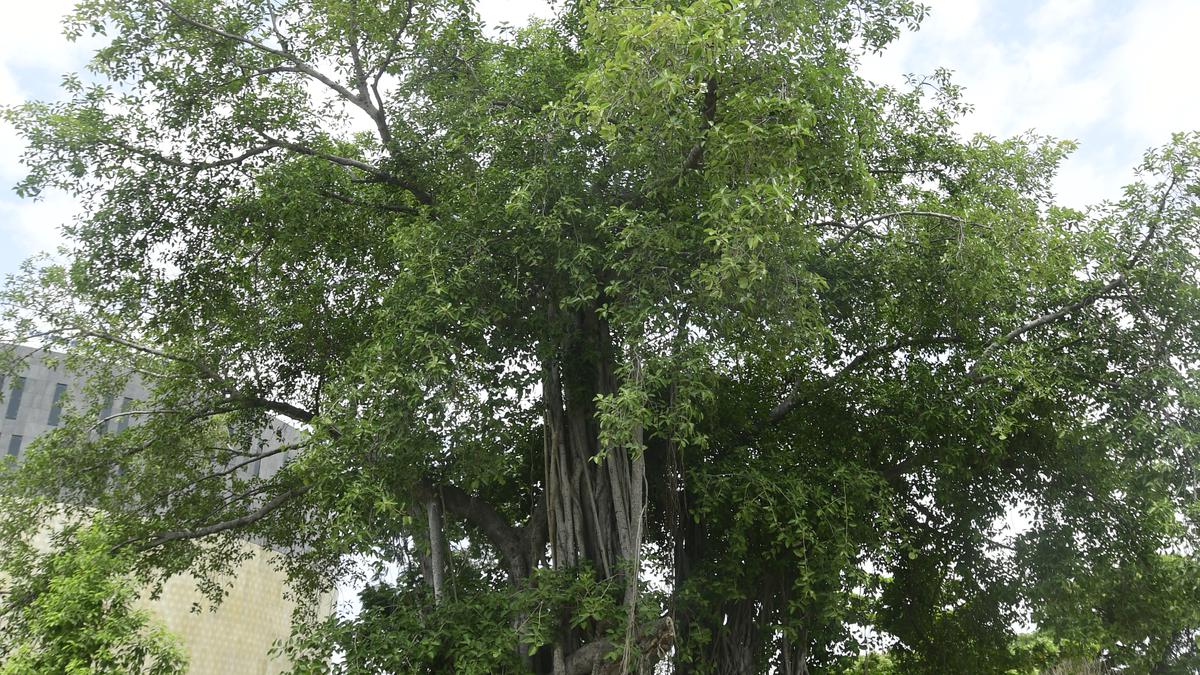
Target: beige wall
{"type": "Point", "coordinates": [234, 638]}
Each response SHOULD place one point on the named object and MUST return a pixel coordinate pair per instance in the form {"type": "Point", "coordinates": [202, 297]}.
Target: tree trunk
{"type": "Point", "coordinates": [437, 548]}
{"type": "Point", "coordinates": [595, 508]}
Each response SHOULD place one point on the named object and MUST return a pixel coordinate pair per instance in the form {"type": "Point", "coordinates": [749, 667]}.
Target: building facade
{"type": "Point", "coordinates": [232, 639]}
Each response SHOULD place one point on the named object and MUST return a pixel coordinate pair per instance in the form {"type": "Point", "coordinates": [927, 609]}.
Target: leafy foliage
{"type": "Point", "coordinates": [72, 611]}
{"type": "Point", "coordinates": [653, 290]}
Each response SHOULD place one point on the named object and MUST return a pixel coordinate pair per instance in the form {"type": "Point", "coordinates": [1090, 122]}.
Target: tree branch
{"type": "Point", "coordinates": [288, 410]}
{"type": "Point", "coordinates": [1042, 320]}
{"type": "Point", "coordinates": [1119, 282]}
{"type": "Point", "coordinates": [479, 513]}
{"type": "Point", "coordinates": [794, 397]}
{"type": "Point", "coordinates": [708, 115]}
{"type": "Point", "coordinates": [360, 75]}
{"type": "Point", "coordinates": [1152, 230]}
{"type": "Point", "coordinates": [244, 463]}
{"type": "Point", "coordinates": [694, 159]}
{"type": "Point", "coordinates": [284, 54]}
{"type": "Point", "coordinates": [862, 224]}
{"type": "Point", "coordinates": [184, 164]}
{"type": "Point", "coordinates": [272, 505]}
{"type": "Point", "coordinates": [350, 162]}
{"type": "Point", "coordinates": [108, 337]}
{"type": "Point", "coordinates": [379, 175]}
{"type": "Point", "coordinates": [345, 199]}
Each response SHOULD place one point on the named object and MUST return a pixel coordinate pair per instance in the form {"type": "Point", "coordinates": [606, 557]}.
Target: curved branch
{"type": "Point", "coordinates": [191, 166]}
{"type": "Point", "coordinates": [346, 199]}
{"type": "Point", "coordinates": [272, 505]}
{"type": "Point", "coordinates": [1152, 230]}
{"type": "Point", "coordinates": [376, 173]}
{"type": "Point", "coordinates": [285, 54]}
{"type": "Point", "coordinates": [285, 409]}
{"type": "Point", "coordinates": [506, 538]}
{"type": "Point", "coordinates": [349, 162]}
{"type": "Point", "coordinates": [862, 224]}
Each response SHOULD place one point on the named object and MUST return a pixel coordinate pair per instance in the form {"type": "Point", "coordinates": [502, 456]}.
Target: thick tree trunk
{"type": "Point", "coordinates": [595, 496]}
{"type": "Point", "coordinates": [591, 512]}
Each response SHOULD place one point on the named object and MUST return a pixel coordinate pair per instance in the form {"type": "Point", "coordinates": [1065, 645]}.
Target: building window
{"type": "Point", "coordinates": [123, 420]}
{"type": "Point", "coordinates": [14, 445]}
{"type": "Point", "coordinates": [14, 399]}
{"type": "Point", "coordinates": [56, 406]}
{"type": "Point", "coordinates": [105, 413]}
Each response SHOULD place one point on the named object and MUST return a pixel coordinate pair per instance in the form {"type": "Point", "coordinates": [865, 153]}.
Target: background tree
{"type": "Point", "coordinates": [655, 290]}
{"type": "Point", "coordinates": [72, 611]}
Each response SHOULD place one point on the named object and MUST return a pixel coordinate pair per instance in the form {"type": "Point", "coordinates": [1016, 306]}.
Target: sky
{"type": "Point", "coordinates": [1118, 76]}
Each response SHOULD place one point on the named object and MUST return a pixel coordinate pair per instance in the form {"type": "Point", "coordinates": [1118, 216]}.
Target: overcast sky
{"type": "Point", "coordinates": [1116, 75]}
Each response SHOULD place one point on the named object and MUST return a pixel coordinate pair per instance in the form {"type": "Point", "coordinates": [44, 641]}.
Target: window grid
{"type": "Point", "coordinates": [57, 406]}
{"type": "Point", "coordinates": [126, 406]}
{"type": "Point", "coordinates": [14, 399]}
{"type": "Point", "coordinates": [106, 412]}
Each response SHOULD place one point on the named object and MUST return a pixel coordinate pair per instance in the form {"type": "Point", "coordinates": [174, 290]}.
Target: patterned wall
{"type": "Point", "coordinates": [233, 639]}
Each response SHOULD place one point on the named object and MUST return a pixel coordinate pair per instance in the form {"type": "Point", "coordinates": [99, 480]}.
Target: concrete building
{"type": "Point", "coordinates": [234, 639]}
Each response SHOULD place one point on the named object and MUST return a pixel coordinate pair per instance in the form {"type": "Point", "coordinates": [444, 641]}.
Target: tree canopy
{"type": "Point", "coordinates": [648, 334]}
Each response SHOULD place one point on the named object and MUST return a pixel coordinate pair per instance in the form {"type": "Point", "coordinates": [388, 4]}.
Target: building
{"type": "Point", "coordinates": [235, 638]}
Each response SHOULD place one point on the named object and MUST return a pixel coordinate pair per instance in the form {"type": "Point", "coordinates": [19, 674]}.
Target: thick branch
{"type": "Point", "coordinates": [583, 661]}
{"type": "Point", "coordinates": [479, 513]}
{"type": "Point", "coordinates": [299, 148]}
{"type": "Point", "coordinates": [437, 548]}
{"type": "Point", "coordinates": [708, 115]}
{"type": "Point", "coordinates": [653, 643]}
{"type": "Point", "coordinates": [375, 172]}
{"type": "Point", "coordinates": [286, 409]}
{"type": "Point", "coordinates": [694, 159]}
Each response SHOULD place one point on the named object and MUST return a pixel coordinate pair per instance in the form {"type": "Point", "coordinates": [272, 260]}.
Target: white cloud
{"type": "Point", "coordinates": [1155, 63]}
{"type": "Point", "coordinates": [953, 17]}
{"type": "Point", "coordinates": [1057, 15]}
{"type": "Point", "coordinates": [31, 35]}
{"type": "Point", "coordinates": [33, 56]}
{"type": "Point", "coordinates": [514, 12]}
{"type": "Point", "coordinates": [1116, 77]}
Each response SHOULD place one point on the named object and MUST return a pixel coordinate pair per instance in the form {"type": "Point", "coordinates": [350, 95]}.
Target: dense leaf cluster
{"type": "Point", "coordinates": [654, 295]}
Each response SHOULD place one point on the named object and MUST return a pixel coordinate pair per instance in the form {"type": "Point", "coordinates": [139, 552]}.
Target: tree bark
{"type": "Point", "coordinates": [437, 548]}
